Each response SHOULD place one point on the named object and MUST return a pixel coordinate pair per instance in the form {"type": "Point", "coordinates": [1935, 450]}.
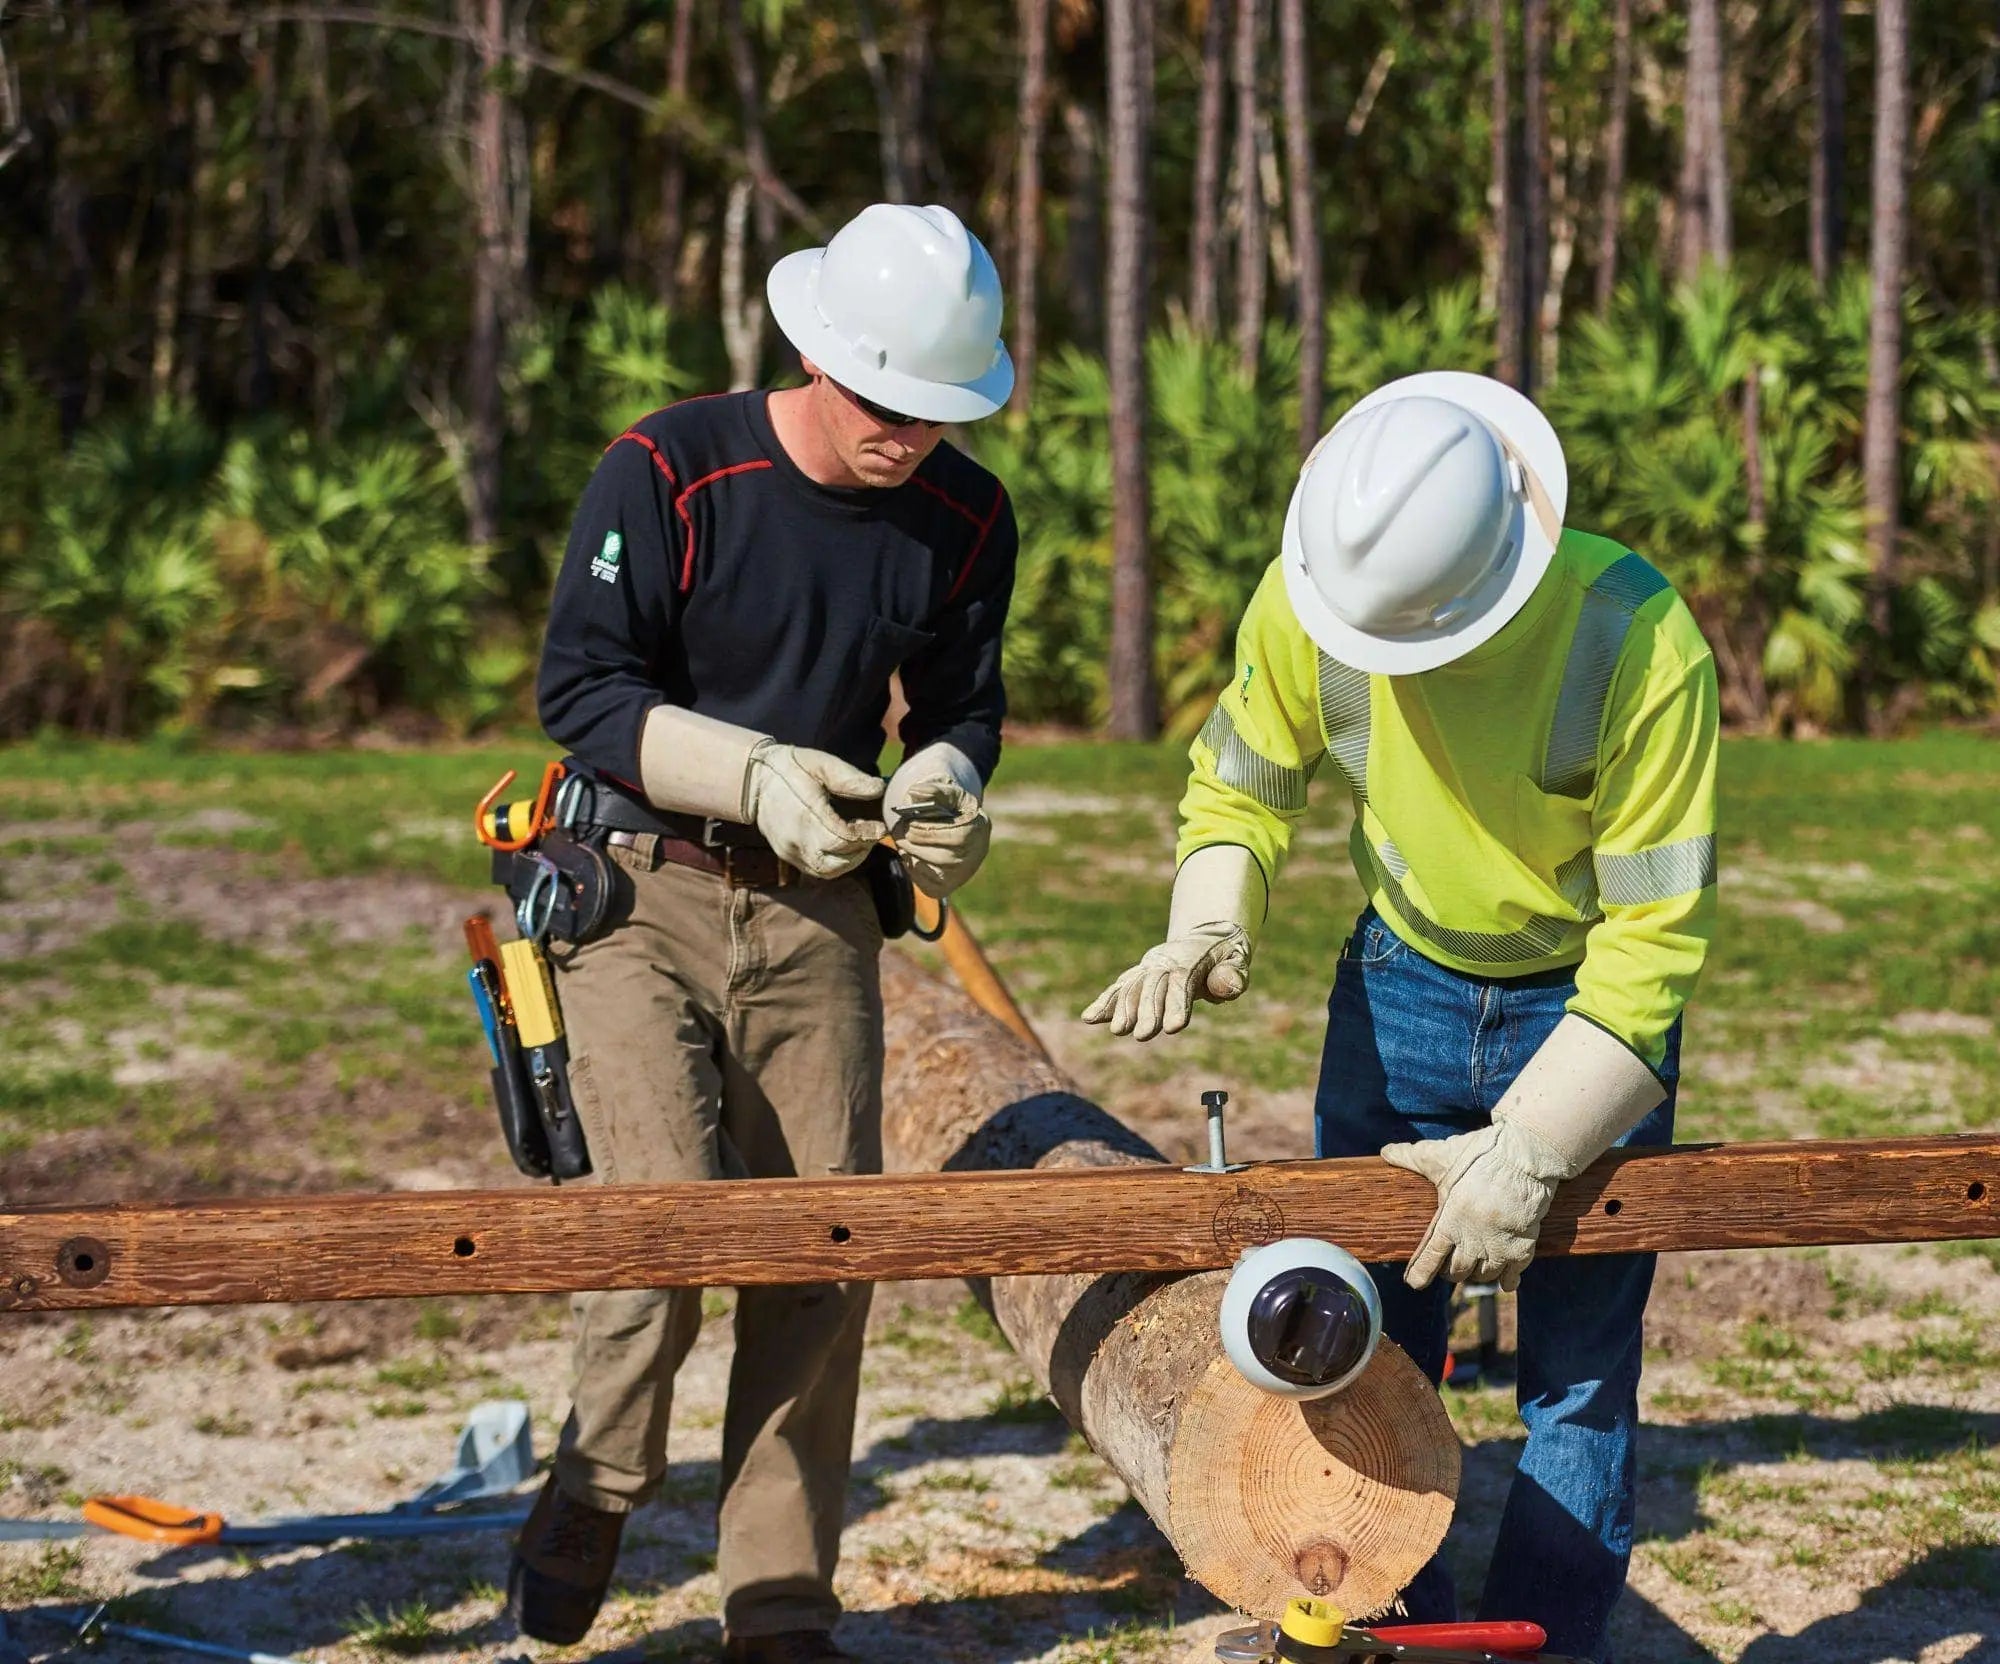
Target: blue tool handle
{"type": "Point", "coordinates": [489, 1019]}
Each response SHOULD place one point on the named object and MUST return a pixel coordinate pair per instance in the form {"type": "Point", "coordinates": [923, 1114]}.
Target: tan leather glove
{"type": "Point", "coordinates": [700, 766]}
{"type": "Point", "coordinates": [1580, 1093]}
{"type": "Point", "coordinates": [1218, 903]}
{"type": "Point", "coordinates": [935, 816]}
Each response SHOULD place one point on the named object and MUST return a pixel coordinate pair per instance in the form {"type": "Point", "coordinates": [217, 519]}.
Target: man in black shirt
{"type": "Point", "coordinates": [745, 574]}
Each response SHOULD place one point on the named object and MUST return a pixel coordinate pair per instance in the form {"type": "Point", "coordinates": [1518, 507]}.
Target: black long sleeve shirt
{"type": "Point", "coordinates": [704, 569]}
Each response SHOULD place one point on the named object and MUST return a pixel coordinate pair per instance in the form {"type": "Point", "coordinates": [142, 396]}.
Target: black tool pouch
{"type": "Point", "coordinates": [895, 897]}
{"type": "Point", "coordinates": [520, 1120]}
{"type": "Point", "coordinates": [568, 880]}
{"type": "Point", "coordinates": [548, 1080]}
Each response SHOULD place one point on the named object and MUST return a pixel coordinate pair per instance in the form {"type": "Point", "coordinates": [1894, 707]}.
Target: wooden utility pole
{"type": "Point", "coordinates": [1129, 52]}
{"type": "Point", "coordinates": [1881, 458]}
{"type": "Point", "coordinates": [1303, 195]}
{"type": "Point", "coordinates": [1348, 1496]}
{"type": "Point", "coordinates": [1030, 119]}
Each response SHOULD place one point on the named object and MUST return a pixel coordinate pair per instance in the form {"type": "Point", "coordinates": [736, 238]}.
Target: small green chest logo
{"type": "Point", "coordinates": [605, 566]}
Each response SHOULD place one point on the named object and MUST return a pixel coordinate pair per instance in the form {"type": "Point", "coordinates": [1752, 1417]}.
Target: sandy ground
{"type": "Point", "coordinates": [1819, 1481]}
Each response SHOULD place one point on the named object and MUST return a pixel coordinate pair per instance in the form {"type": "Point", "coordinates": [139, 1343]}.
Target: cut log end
{"type": "Point", "coordinates": [1340, 1498]}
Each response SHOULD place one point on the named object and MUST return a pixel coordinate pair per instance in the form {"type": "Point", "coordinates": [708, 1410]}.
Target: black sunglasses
{"type": "Point", "coordinates": [882, 413]}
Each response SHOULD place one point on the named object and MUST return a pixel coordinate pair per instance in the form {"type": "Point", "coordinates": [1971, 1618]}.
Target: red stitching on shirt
{"type": "Point", "coordinates": [639, 438]}
{"type": "Point", "coordinates": [985, 526]}
{"type": "Point", "coordinates": [687, 520]}
{"type": "Point", "coordinates": [946, 498]}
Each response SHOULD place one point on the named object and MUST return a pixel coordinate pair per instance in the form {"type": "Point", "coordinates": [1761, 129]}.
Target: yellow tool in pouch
{"type": "Point", "coordinates": [538, 1022]}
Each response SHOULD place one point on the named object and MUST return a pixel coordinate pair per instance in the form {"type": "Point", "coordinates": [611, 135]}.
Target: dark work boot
{"type": "Point", "coordinates": [562, 1566]}
{"type": "Point", "coordinates": [791, 1646]}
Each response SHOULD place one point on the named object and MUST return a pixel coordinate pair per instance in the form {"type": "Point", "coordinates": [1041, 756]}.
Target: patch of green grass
{"type": "Point", "coordinates": [414, 1375]}
{"type": "Point", "coordinates": [232, 1425]}
{"type": "Point", "coordinates": [52, 1575]}
{"type": "Point", "coordinates": [408, 1628]}
{"type": "Point", "coordinates": [1021, 1401]}
{"type": "Point", "coordinates": [973, 1319]}
{"type": "Point", "coordinates": [956, 1479]}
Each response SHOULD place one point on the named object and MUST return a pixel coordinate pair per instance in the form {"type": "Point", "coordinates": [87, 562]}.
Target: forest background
{"type": "Point", "coordinates": [316, 316]}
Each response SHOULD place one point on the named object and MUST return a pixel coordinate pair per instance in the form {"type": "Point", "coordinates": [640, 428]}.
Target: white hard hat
{"type": "Point", "coordinates": [1423, 522]}
{"type": "Point", "coordinates": [902, 307]}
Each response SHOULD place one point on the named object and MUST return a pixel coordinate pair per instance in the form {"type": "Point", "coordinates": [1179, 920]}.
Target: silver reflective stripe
{"type": "Point", "coordinates": [1569, 767]}
{"type": "Point", "coordinates": [1247, 771]}
{"type": "Point", "coordinates": [1658, 874]}
{"type": "Point", "coordinates": [1343, 713]}
{"type": "Point", "coordinates": [1542, 935]}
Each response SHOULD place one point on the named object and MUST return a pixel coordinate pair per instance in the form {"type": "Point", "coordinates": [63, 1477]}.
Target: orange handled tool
{"type": "Point", "coordinates": [152, 1520]}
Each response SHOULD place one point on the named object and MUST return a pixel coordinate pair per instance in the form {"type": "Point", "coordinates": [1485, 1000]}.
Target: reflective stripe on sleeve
{"type": "Point", "coordinates": [1657, 874]}
{"type": "Point", "coordinates": [1569, 765]}
{"type": "Point", "coordinates": [1250, 772]}
{"type": "Point", "coordinates": [1343, 715]}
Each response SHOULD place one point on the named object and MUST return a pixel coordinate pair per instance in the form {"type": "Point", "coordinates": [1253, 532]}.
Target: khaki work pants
{"type": "Point", "coordinates": [719, 1032]}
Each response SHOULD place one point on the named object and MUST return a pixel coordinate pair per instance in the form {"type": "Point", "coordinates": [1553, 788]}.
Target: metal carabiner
{"type": "Point", "coordinates": [535, 910]}
{"type": "Point", "coordinates": [569, 801]}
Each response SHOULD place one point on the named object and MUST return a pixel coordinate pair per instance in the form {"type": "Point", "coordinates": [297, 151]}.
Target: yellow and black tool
{"type": "Point", "coordinates": [531, 995]}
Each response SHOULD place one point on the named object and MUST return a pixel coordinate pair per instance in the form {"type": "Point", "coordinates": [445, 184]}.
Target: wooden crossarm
{"type": "Point", "coordinates": [1145, 1218]}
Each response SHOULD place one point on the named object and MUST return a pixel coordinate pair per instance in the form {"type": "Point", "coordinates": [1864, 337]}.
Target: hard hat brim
{"type": "Point", "coordinates": [789, 290]}
{"type": "Point", "coordinates": [1527, 432]}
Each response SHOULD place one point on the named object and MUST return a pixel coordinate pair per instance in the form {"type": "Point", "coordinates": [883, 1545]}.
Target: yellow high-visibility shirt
{"type": "Point", "coordinates": [1546, 800]}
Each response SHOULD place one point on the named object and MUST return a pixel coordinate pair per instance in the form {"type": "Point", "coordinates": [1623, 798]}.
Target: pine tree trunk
{"type": "Point", "coordinates": [1204, 263]}
{"type": "Point", "coordinates": [1715, 147]}
{"type": "Point", "coordinates": [488, 275]}
{"type": "Point", "coordinates": [1880, 453]}
{"type": "Point", "coordinates": [1704, 229]}
{"type": "Point", "coordinates": [673, 174]}
{"type": "Point", "coordinates": [1250, 249]}
{"type": "Point", "coordinates": [1083, 213]}
{"type": "Point", "coordinates": [1305, 220]}
{"type": "Point", "coordinates": [1030, 119]}
{"type": "Point", "coordinates": [1129, 70]}
{"type": "Point", "coordinates": [1534, 183]}
{"type": "Point", "coordinates": [913, 95]}
{"type": "Point", "coordinates": [1611, 205]}
{"type": "Point", "coordinates": [1829, 140]}
{"type": "Point", "coordinates": [264, 73]}
{"type": "Point", "coordinates": [747, 211]}
{"type": "Point", "coordinates": [888, 123]}
{"type": "Point", "coordinates": [1500, 194]}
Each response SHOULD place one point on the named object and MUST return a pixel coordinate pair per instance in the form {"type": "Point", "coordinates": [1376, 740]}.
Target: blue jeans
{"type": "Point", "coordinates": [1414, 1050]}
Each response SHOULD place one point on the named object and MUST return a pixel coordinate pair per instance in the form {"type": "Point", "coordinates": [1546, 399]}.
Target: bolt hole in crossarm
{"type": "Point", "coordinates": [1975, 1192]}
{"type": "Point", "coordinates": [1614, 1206]}
{"type": "Point", "coordinates": [840, 1233]}
{"type": "Point", "coordinates": [464, 1247]}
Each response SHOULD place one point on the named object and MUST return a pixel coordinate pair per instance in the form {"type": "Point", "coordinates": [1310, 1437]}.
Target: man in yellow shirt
{"type": "Point", "coordinates": [1525, 718]}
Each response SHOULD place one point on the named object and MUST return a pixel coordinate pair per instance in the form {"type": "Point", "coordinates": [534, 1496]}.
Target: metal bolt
{"type": "Point", "coordinates": [1218, 1161]}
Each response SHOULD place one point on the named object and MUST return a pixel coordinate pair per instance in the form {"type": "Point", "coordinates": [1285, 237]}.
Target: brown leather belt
{"type": "Point", "coordinates": [741, 868]}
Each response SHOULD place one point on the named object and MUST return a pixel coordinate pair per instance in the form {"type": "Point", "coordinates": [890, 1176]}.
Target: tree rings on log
{"type": "Point", "coordinates": [1341, 1498]}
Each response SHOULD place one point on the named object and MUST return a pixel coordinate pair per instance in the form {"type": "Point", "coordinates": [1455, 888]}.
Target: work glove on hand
{"type": "Point", "coordinates": [1218, 902]}
{"type": "Point", "coordinates": [699, 766]}
{"type": "Point", "coordinates": [789, 796]}
{"type": "Point", "coordinates": [1580, 1093]}
{"type": "Point", "coordinates": [934, 813]}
